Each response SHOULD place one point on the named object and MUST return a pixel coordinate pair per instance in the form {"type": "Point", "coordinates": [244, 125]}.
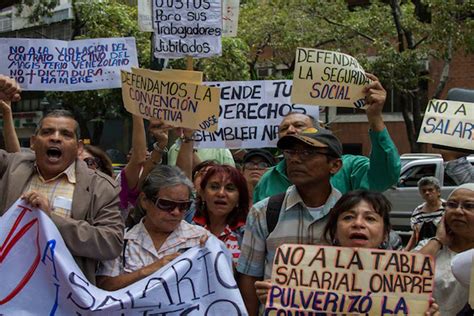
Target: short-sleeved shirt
{"type": "Point", "coordinates": [297, 224]}
{"type": "Point", "coordinates": [427, 222]}
{"type": "Point", "coordinates": [140, 251]}
{"type": "Point", "coordinates": [231, 236]}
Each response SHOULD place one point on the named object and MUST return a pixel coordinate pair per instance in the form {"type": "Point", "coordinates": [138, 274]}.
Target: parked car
{"type": "Point", "coordinates": [405, 196]}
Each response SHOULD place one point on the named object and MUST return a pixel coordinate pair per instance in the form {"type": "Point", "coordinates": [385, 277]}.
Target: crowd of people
{"type": "Point", "coordinates": [122, 228]}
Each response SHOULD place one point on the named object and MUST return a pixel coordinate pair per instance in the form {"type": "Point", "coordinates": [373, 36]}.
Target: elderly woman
{"type": "Point", "coordinates": [454, 235]}
{"type": "Point", "coordinates": [223, 205]}
{"type": "Point", "coordinates": [160, 236]}
{"type": "Point", "coordinates": [359, 219]}
{"type": "Point", "coordinates": [426, 217]}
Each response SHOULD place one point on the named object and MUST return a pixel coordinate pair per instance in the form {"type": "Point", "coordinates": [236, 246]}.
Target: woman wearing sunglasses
{"type": "Point", "coordinates": [223, 205]}
{"type": "Point", "coordinates": [453, 235]}
{"type": "Point", "coordinates": [160, 236]}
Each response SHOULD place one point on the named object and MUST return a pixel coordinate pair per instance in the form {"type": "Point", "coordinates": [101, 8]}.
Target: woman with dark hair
{"type": "Point", "coordinates": [359, 219]}
{"type": "Point", "coordinates": [223, 205]}
{"type": "Point", "coordinates": [97, 159]}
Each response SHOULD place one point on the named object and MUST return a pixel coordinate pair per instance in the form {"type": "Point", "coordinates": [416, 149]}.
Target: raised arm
{"type": "Point", "coordinates": [186, 151]}
{"type": "Point", "coordinates": [138, 156]}
{"type": "Point", "coordinates": [384, 156]}
{"type": "Point", "coordinates": [9, 91]}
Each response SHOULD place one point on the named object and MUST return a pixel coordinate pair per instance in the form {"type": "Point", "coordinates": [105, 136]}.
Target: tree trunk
{"type": "Point", "coordinates": [409, 126]}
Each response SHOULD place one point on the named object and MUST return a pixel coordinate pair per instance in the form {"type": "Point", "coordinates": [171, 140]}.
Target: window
{"type": "Point", "coordinates": [411, 176]}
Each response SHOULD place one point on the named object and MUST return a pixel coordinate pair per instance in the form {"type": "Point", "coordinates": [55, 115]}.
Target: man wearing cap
{"type": "Point", "coordinates": [378, 172]}
{"type": "Point", "coordinates": [254, 165]}
{"type": "Point", "coordinates": [312, 157]}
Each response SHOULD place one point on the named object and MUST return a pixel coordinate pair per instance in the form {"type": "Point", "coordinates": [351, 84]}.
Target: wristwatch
{"type": "Point", "coordinates": [158, 149]}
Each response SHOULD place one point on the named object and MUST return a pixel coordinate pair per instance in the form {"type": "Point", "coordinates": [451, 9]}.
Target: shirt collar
{"type": "Point", "coordinates": [201, 220]}
{"type": "Point", "coordinates": [294, 198]}
{"type": "Point", "coordinates": [69, 172]}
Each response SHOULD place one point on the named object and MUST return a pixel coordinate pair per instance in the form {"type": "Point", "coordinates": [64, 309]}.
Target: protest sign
{"type": "Point", "coordinates": [230, 17]}
{"type": "Point", "coordinates": [250, 113]}
{"type": "Point", "coordinates": [328, 78]}
{"type": "Point", "coordinates": [52, 65]}
{"type": "Point", "coordinates": [40, 277]}
{"type": "Point", "coordinates": [145, 20]}
{"type": "Point", "coordinates": [192, 28]}
{"type": "Point", "coordinates": [349, 281]}
{"type": "Point", "coordinates": [448, 123]}
{"type": "Point", "coordinates": [153, 95]}
{"type": "Point", "coordinates": [189, 76]}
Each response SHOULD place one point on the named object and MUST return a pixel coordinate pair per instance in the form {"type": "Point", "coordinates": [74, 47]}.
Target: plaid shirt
{"type": "Point", "coordinates": [296, 225]}
{"type": "Point", "coordinates": [59, 190]}
{"type": "Point", "coordinates": [140, 251]}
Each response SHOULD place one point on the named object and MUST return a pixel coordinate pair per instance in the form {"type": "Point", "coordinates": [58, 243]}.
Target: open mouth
{"type": "Point", "coordinates": [219, 202]}
{"type": "Point", "coordinates": [54, 154]}
{"type": "Point", "coordinates": [358, 237]}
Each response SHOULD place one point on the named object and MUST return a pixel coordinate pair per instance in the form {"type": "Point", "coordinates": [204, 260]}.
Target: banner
{"type": "Point", "coordinates": [145, 19]}
{"type": "Point", "coordinates": [153, 95]}
{"type": "Point", "coordinates": [328, 78]}
{"type": "Point", "coordinates": [250, 113]}
{"type": "Point", "coordinates": [448, 123]}
{"type": "Point", "coordinates": [349, 281]}
{"type": "Point", "coordinates": [40, 277]}
{"type": "Point", "coordinates": [230, 17]}
{"type": "Point", "coordinates": [53, 65]}
{"type": "Point", "coordinates": [187, 28]}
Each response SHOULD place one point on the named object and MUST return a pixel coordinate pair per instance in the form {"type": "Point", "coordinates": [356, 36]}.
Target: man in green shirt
{"type": "Point", "coordinates": [378, 172]}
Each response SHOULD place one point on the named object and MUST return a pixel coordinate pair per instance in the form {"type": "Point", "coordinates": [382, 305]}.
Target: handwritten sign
{"type": "Point", "coordinates": [349, 281]}
{"type": "Point", "coordinates": [187, 28]}
{"type": "Point", "coordinates": [153, 95]}
{"type": "Point", "coordinates": [230, 17]}
{"type": "Point", "coordinates": [250, 113]}
{"type": "Point", "coordinates": [52, 65]}
{"type": "Point", "coordinates": [40, 277]}
{"type": "Point", "coordinates": [145, 17]}
{"type": "Point", "coordinates": [328, 78]}
{"type": "Point", "coordinates": [448, 123]}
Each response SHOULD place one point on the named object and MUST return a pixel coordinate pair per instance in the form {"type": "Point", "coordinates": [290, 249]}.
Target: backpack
{"type": "Point", "coordinates": [273, 210]}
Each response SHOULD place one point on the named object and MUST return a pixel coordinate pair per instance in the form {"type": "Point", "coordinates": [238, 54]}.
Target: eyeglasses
{"type": "Point", "coordinates": [303, 153]}
{"type": "Point", "coordinates": [468, 206]}
{"type": "Point", "coordinates": [92, 162]}
{"type": "Point", "coordinates": [256, 166]}
{"type": "Point", "coordinates": [169, 206]}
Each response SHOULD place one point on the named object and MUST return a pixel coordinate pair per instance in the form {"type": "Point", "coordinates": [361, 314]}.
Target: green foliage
{"type": "Point", "coordinates": [38, 9]}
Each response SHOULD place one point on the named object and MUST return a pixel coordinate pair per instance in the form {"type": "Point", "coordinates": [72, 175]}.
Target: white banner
{"type": "Point", "coordinates": [53, 65]}
{"type": "Point", "coordinates": [40, 277]}
{"type": "Point", "coordinates": [145, 17]}
{"type": "Point", "coordinates": [187, 28]}
{"type": "Point", "coordinates": [230, 17]}
{"type": "Point", "coordinates": [250, 113]}
{"type": "Point", "coordinates": [448, 123]}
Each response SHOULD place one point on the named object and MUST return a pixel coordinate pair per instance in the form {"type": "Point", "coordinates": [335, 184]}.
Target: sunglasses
{"type": "Point", "coordinates": [256, 166]}
{"type": "Point", "coordinates": [169, 206]}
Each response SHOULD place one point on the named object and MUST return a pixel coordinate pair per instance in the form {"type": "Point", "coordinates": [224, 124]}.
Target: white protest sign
{"type": "Point", "coordinates": [230, 17]}
{"type": "Point", "coordinates": [53, 65]}
{"type": "Point", "coordinates": [327, 78]}
{"type": "Point", "coordinates": [40, 277]}
{"type": "Point", "coordinates": [355, 281]}
{"type": "Point", "coordinates": [145, 16]}
{"type": "Point", "coordinates": [187, 28]}
{"type": "Point", "coordinates": [250, 113]}
{"type": "Point", "coordinates": [448, 123]}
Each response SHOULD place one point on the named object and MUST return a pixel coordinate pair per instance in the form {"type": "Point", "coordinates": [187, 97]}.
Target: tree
{"type": "Point", "coordinates": [399, 35]}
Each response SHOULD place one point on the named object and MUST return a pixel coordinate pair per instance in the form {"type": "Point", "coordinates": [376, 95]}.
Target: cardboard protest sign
{"type": "Point", "coordinates": [145, 19]}
{"type": "Point", "coordinates": [448, 123]}
{"type": "Point", "coordinates": [230, 17]}
{"type": "Point", "coordinates": [189, 76]}
{"type": "Point", "coordinates": [187, 28]}
{"type": "Point", "coordinates": [52, 65]}
{"type": "Point", "coordinates": [328, 78]}
{"type": "Point", "coordinates": [153, 95]}
{"type": "Point", "coordinates": [349, 281]}
{"type": "Point", "coordinates": [40, 277]}
{"type": "Point", "coordinates": [250, 113]}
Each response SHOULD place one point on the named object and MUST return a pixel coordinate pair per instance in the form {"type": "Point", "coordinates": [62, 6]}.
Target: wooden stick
{"type": "Point", "coordinates": [189, 63]}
